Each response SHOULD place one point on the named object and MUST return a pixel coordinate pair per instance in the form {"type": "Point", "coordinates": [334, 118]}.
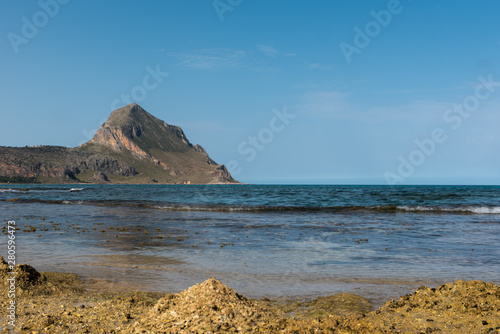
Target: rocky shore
{"type": "Point", "coordinates": [62, 303]}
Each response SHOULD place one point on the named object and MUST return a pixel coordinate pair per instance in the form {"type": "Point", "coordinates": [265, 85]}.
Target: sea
{"type": "Point", "coordinates": [275, 241]}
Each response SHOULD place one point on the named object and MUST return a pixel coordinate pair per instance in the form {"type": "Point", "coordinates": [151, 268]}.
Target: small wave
{"type": "Point", "coordinates": [11, 190]}
{"type": "Point", "coordinates": [215, 208]}
{"type": "Point", "coordinates": [249, 208]}
{"type": "Point", "coordinates": [39, 190]}
{"type": "Point", "coordinates": [417, 208]}
{"type": "Point", "coordinates": [485, 210]}
{"type": "Point", "coordinates": [384, 209]}
{"type": "Point", "coordinates": [459, 209]}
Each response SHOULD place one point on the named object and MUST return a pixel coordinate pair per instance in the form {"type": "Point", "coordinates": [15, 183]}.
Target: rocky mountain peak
{"type": "Point", "coordinates": [131, 146]}
{"type": "Point", "coordinates": [126, 115]}
{"type": "Point", "coordinates": [132, 129]}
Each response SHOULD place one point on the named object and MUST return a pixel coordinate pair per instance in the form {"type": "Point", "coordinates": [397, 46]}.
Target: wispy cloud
{"type": "Point", "coordinates": [272, 52]}
{"type": "Point", "coordinates": [210, 59]}
{"type": "Point", "coordinates": [268, 50]}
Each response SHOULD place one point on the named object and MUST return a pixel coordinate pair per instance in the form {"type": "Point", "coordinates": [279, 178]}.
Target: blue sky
{"type": "Point", "coordinates": [367, 88]}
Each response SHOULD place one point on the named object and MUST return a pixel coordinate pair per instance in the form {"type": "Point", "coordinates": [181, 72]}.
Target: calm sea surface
{"type": "Point", "coordinates": [261, 240]}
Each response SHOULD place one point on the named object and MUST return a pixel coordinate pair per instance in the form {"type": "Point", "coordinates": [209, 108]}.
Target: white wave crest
{"type": "Point", "coordinates": [463, 209]}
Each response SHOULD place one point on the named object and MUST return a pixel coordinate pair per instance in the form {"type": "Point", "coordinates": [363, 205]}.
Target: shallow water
{"type": "Point", "coordinates": [261, 240]}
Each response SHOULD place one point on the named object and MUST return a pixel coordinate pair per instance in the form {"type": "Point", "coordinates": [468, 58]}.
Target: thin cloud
{"type": "Point", "coordinates": [268, 50]}
{"type": "Point", "coordinates": [272, 52]}
{"type": "Point", "coordinates": [210, 59]}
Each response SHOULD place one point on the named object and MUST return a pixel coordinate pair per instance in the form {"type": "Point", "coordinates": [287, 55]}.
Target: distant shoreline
{"type": "Point", "coordinates": [128, 184]}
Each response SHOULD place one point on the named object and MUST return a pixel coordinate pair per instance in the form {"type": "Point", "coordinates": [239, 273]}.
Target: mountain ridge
{"type": "Point", "coordinates": [132, 146]}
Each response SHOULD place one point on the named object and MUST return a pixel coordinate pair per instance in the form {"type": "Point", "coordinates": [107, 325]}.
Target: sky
{"type": "Point", "coordinates": [306, 92]}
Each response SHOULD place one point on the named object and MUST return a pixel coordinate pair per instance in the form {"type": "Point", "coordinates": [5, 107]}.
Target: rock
{"type": "Point", "coordinates": [3, 265]}
{"type": "Point", "coordinates": [200, 149]}
{"type": "Point", "coordinates": [205, 307]}
{"type": "Point", "coordinates": [100, 176]}
{"type": "Point", "coordinates": [221, 173]}
{"type": "Point", "coordinates": [459, 307]}
{"type": "Point", "coordinates": [212, 307]}
{"type": "Point", "coordinates": [26, 276]}
{"type": "Point", "coordinates": [69, 174]}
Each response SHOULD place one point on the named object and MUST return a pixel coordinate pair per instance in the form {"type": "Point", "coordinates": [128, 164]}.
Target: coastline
{"type": "Point", "coordinates": [129, 248]}
{"type": "Point", "coordinates": [171, 276]}
{"type": "Point", "coordinates": [69, 183]}
{"type": "Point", "coordinates": [51, 302]}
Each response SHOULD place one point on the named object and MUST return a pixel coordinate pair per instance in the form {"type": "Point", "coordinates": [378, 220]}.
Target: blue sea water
{"type": "Point", "coordinates": [262, 240]}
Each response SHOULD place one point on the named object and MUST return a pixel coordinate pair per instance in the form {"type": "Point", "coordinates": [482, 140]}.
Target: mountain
{"type": "Point", "coordinates": [132, 146]}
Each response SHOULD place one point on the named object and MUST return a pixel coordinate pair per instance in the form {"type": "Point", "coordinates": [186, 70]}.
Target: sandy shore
{"type": "Point", "coordinates": [63, 303]}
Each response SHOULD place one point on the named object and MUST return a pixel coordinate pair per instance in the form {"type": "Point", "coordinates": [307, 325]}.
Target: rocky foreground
{"type": "Point", "coordinates": [61, 303]}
